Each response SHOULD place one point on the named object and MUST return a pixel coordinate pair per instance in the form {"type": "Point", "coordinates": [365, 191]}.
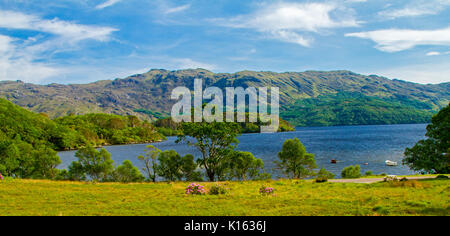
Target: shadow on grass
{"type": "Point", "coordinates": [436, 211]}
{"type": "Point", "coordinates": [434, 180]}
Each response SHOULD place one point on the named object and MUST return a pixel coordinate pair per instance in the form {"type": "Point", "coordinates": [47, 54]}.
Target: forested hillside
{"type": "Point", "coordinates": [147, 95]}
{"type": "Point", "coordinates": [355, 109]}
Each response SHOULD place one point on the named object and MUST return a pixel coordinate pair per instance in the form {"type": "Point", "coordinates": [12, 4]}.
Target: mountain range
{"type": "Point", "coordinates": [311, 98]}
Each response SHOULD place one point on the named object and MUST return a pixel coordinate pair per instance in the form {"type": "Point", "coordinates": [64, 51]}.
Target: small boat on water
{"type": "Point", "coordinates": [333, 161]}
{"type": "Point", "coordinates": [391, 163]}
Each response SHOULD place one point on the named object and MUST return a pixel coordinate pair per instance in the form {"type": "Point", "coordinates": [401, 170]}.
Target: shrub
{"type": "Point", "coordinates": [369, 173]}
{"type": "Point", "coordinates": [76, 172]}
{"type": "Point", "coordinates": [62, 175]}
{"type": "Point", "coordinates": [218, 190]}
{"type": "Point", "coordinates": [127, 173]}
{"type": "Point", "coordinates": [266, 191]}
{"type": "Point", "coordinates": [323, 176]}
{"type": "Point", "coordinates": [351, 172]}
{"type": "Point", "coordinates": [321, 180]}
{"type": "Point", "coordinates": [195, 189]}
{"type": "Point", "coordinates": [391, 178]}
{"type": "Point", "coordinates": [381, 210]}
{"type": "Point", "coordinates": [1, 177]}
{"type": "Point", "coordinates": [442, 177]}
{"type": "Point", "coordinates": [264, 176]}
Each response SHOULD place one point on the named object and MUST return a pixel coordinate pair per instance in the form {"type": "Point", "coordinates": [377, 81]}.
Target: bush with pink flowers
{"type": "Point", "coordinates": [266, 191]}
{"type": "Point", "coordinates": [195, 189]}
{"type": "Point", "coordinates": [1, 177]}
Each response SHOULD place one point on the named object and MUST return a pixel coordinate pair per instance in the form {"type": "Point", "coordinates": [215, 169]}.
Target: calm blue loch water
{"type": "Point", "coordinates": [350, 145]}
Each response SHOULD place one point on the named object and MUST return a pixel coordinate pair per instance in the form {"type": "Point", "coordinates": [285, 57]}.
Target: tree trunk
{"type": "Point", "coordinates": [211, 176]}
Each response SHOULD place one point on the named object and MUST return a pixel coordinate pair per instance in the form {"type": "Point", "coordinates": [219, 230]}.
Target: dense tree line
{"type": "Point", "coordinates": [107, 129]}
{"type": "Point", "coordinates": [168, 127]}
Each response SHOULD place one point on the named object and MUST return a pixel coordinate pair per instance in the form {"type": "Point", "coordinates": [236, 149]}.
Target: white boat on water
{"type": "Point", "coordinates": [391, 163]}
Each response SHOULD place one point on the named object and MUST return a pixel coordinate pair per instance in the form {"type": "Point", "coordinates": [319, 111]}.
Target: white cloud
{"type": "Point", "coordinates": [16, 64]}
{"type": "Point", "coordinates": [423, 73]}
{"type": "Point", "coordinates": [178, 9]}
{"type": "Point", "coordinates": [21, 59]}
{"type": "Point", "coordinates": [284, 21]}
{"type": "Point", "coordinates": [291, 37]}
{"type": "Point", "coordinates": [433, 54]}
{"type": "Point", "coordinates": [69, 30]}
{"type": "Point", "coordinates": [408, 12]}
{"type": "Point", "coordinates": [395, 40]}
{"type": "Point", "coordinates": [293, 16]}
{"type": "Point", "coordinates": [417, 8]}
{"type": "Point", "coordinates": [188, 63]}
{"type": "Point", "coordinates": [5, 44]}
{"type": "Point", "coordinates": [437, 53]}
{"type": "Point", "coordinates": [106, 4]}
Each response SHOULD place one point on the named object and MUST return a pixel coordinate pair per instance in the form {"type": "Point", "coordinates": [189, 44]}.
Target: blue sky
{"type": "Point", "coordinates": [80, 41]}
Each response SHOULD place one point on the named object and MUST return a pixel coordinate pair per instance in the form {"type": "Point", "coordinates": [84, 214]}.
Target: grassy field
{"type": "Point", "coordinates": [32, 197]}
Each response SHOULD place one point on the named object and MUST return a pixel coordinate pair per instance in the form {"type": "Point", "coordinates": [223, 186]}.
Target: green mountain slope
{"type": "Point", "coordinates": [148, 95]}
{"type": "Point", "coordinates": [354, 109]}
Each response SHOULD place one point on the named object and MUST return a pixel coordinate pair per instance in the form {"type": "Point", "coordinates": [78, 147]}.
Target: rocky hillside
{"type": "Point", "coordinates": [148, 95]}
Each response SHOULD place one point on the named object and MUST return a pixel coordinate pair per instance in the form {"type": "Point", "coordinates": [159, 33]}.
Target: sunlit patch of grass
{"type": "Point", "coordinates": [292, 197]}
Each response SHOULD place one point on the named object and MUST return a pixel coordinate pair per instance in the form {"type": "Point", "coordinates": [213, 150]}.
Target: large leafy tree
{"type": "Point", "coordinates": [45, 162]}
{"type": "Point", "coordinates": [170, 165]}
{"type": "Point", "coordinates": [215, 141]}
{"type": "Point", "coordinates": [244, 166]}
{"type": "Point", "coordinates": [173, 167]}
{"type": "Point", "coordinates": [98, 165]}
{"type": "Point", "coordinates": [432, 155]}
{"type": "Point", "coordinates": [189, 169]}
{"type": "Point", "coordinates": [295, 161]}
{"type": "Point", "coordinates": [150, 160]}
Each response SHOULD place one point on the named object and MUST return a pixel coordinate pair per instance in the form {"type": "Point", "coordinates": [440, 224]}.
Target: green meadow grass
{"type": "Point", "coordinates": [296, 198]}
